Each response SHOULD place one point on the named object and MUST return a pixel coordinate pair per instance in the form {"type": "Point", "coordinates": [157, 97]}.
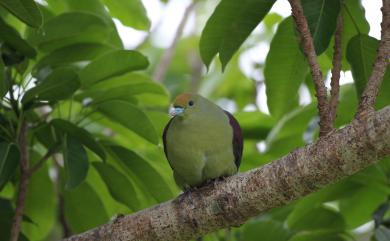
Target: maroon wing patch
{"type": "Point", "coordinates": [238, 143]}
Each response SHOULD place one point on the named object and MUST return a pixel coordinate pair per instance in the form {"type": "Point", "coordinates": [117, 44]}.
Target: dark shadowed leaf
{"type": "Point", "coordinates": [230, 24]}
{"type": "Point", "coordinates": [285, 70]}
{"type": "Point", "coordinates": [321, 17]}
{"type": "Point", "coordinates": [26, 10]}
{"type": "Point", "coordinates": [140, 168]}
{"type": "Point", "coordinates": [131, 117]}
{"type": "Point", "coordinates": [317, 236]}
{"type": "Point", "coordinates": [73, 53]}
{"type": "Point", "coordinates": [112, 64]}
{"type": "Point", "coordinates": [12, 38]}
{"type": "Point", "coordinates": [82, 135]}
{"type": "Point", "coordinates": [71, 28]}
{"type": "Point", "coordinates": [116, 182]}
{"type": "Point", "coordinates": [83, 208]}
{"type": "Point", "coordinates": [268, 230]}
{"type": "Point", "coordinates": [9, 160]}
{"type": "Point", "coordinates": [130, 12]}
{"type": "Point", "coordinates": [76, 162]}
{"type": "Point", "coordinates": [58, 85]}
{"type": "Point", "coordinates": [3, 85]}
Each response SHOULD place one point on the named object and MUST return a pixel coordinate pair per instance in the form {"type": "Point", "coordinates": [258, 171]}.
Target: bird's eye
{"type": "Point", "coordinates": [190, 103]}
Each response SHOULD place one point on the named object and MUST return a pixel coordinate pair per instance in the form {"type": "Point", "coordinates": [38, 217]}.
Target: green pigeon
{"type": "Point", "coordinates": [201, 141]}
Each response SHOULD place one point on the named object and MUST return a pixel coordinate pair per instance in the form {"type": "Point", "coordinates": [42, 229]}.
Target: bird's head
{"type": "Point", "coordinates": [185, 104]}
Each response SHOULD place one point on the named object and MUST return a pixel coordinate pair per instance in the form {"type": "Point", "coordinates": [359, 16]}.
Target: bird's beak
{"type": "Point", "coordinates": [176, 111]}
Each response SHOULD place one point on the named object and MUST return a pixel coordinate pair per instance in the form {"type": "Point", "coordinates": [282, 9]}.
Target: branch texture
{"type": "Point", "coordinates": [309, 51]}
{"type": "Point", "coordinates": [236, 199]}
{"type": "Point", "coordinates": [370, 93]}
{"type": "Point", "coordinates": [336, 69]}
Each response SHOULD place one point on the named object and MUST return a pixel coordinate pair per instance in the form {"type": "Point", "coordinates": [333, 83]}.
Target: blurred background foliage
{"type": "Point", "coordinates": [101, 107]}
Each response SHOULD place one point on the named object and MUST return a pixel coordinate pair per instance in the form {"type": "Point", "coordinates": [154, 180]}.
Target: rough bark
{"type": "Point", "coordinates": [231, 202]}
{"type": "Point", "coordinates": [23, 183]}
{"type": "Point", "coordinates": [310, 53]}
{"type": "Point", "coordinates": [370, 93]}
{"type": "Point", "coordinates": [336, 62]}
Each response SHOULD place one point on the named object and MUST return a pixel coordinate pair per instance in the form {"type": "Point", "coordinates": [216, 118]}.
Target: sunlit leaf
{"type": "Point", "coordinates": [112, 64]}
{"type": "Point", "coordinates": [130, 12]}
{"type": "Point", "coordinates": [116, 182]}
{"type": "Point", "coordinates": [255, 124]}
{"type": "Point", "coordinates": [25, 10]}
{"type": "Point", "coordinates": [131, 117]}
{"type": "Point", "coordinates": [76, 162]}
{"type": "Point", "coordinates": [230, 24]}
{"type": "Point", "coordinates": [9, 160]}
{"type": "Point", "coordinates": [285, 70]}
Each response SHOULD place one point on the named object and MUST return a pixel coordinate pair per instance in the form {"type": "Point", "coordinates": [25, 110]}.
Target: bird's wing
{"type": "Point", "coordinates": [164, 137]}
{"type": "Point", "coordinates": [237, 139]}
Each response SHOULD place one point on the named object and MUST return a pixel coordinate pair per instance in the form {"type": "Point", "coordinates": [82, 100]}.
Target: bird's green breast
{"type": "Point", "coordinates": [200, 148]}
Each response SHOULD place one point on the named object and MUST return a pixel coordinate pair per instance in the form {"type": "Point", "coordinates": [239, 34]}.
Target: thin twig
{"type": "Point", "coordinates": [308, 49]}
{"type": "Point", "coordinates": [24, 179]}
{"type": "Point", "coordinates": [335, 80]}
{"type": "Point", "coordinates": [42, 161]}
{"type": "Point", "coordinates": [370, 93]}
{"type": "Point", "coordinates": [166, 59]}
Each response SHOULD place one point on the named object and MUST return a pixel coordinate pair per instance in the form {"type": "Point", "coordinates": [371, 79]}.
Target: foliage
{"type": "Point", "coordinates": [65, 71]}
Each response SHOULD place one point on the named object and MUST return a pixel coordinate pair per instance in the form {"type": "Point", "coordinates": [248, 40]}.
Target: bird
{"type": "Point", "coordinates": [202, 142]}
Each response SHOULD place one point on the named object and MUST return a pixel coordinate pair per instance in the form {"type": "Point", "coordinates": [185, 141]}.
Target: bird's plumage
{"type": "Point", "coordinates": [202, 142]}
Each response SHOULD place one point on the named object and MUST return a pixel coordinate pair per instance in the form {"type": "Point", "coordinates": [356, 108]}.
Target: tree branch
{"type": "Point", "coordinates": [166, 59]}
{"type": "Point", "coordinates": [308, 49]}
{"type": "Point", "coordinates": [42, 161]}
{"type": "Point", "coordinates": [336, 62]}
{"type": "Point", "coordinates": [23, 183]}
{"type": "Point", "coordinates": [368, 97]}
{"type": "Point", "coordinates": [236, 199]}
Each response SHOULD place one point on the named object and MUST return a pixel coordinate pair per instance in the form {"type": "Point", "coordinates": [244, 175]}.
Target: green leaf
{"type": "Point", "coordinates": [317, 218]}
{"type": "Point", "coordinates": [58, 85]}
{"type": "Point", "coordinates": [76, 162]}
{"type": "Point", "coordinates": [353, 13]}
{"type": "Point", "coordinates": [228, 27]}
{"type": "Point", "coordinates": [144, 172]}
{"type": "Point", "coordinates": [358, 213]}
{"type": "Point", "coordinates": [321, 17]}
{"type": "Point", "coordinates": [12, 38]}
{"type": "Point", "coordinates": [80, 134]}
{"type": "Point", "coordinates": [382, 233]}
{"type": "Point", "coordinates": [84, 209]}
{"type": "Point", "coordinates": [40, 204]}
{"type": "Point", "coordinates": [73, 53]}
{"type": "Point", "coordinates": [131, 117]}
{"type": "Point", "coordinates": [268, 230]}
{"type": "Point", "coordinates": [123, 92]}
{"type": "Point", "coordinates": [9, 160]}
{"type": "Point", "coordinates": [3, 85]}
{"type": "Point", "coordinates": [71, 28]}
{"type": "Point", "coordinates": [26, 10]}
{"type": "Point", "coordinates": [112, 64]}
{"type": "Point", "coordinates": [116, 182]}
{"type": "Point", "coordinates": [361, 54]}
{"type": "Point", "coordinates": [317, 236]}
{"type": "Point", "coordinates": [130, 12]}
{"type": "Point", "coordinates": [255, 124]}
{"type": "Point", "coordinates": [285, 70]}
